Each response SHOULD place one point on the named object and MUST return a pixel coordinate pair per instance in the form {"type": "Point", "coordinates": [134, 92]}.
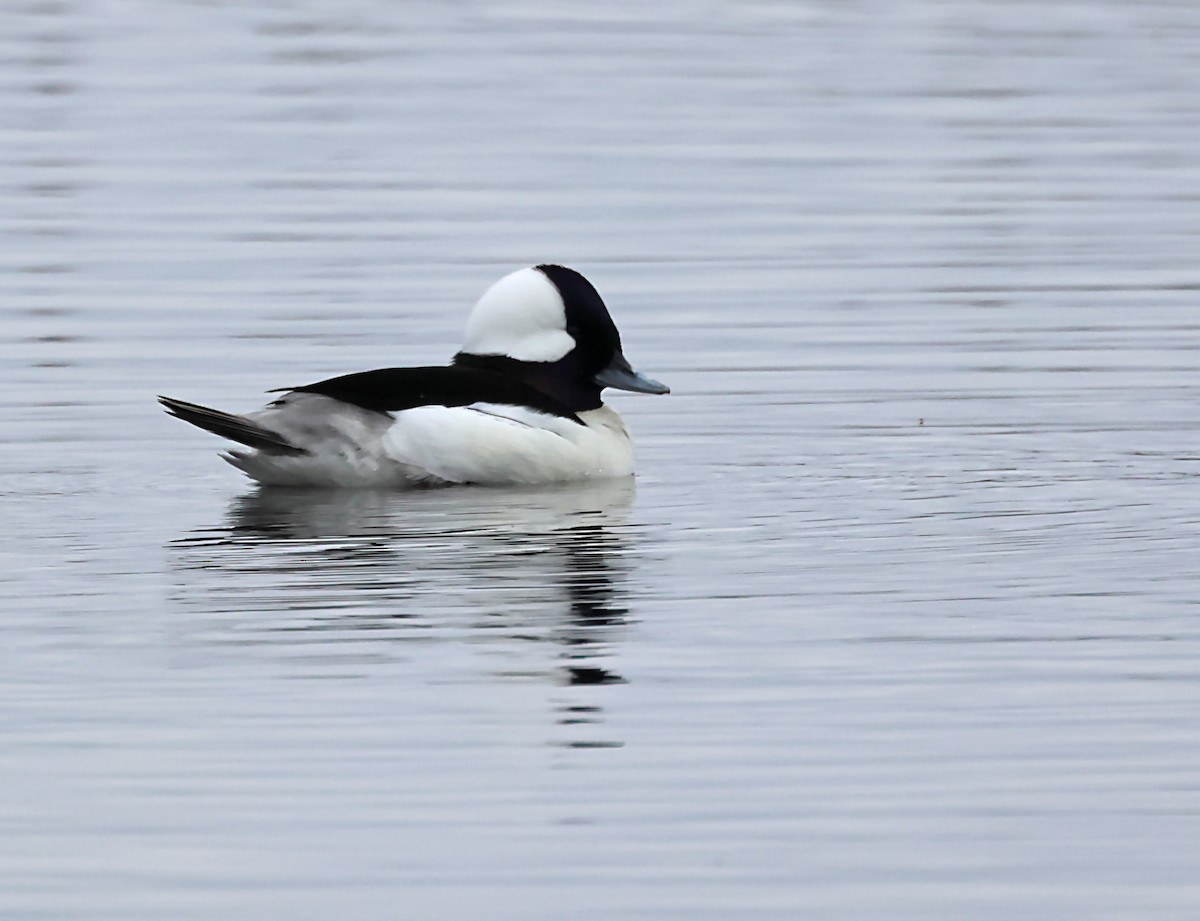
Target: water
{"type": "Point", "coordinates": [900, 617]}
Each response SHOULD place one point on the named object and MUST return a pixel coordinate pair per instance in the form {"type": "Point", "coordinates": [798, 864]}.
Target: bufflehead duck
{"type": "Point", "coordinates": [520, 403]}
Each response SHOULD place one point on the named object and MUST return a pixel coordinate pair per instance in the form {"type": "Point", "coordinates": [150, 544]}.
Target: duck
{"type": "Point", "coordinates": [519, 404]}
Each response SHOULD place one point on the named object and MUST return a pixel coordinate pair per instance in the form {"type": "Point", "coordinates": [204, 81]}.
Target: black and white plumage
{"type": "Point", "coordinates": [520, 403]}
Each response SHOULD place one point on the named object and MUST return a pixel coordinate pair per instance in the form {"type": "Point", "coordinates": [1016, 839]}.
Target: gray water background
{"type": "Point", "coordinates": [900, 618]}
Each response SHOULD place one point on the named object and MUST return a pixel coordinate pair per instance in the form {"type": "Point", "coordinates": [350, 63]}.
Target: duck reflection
{"type": "Point", "coordinates": [354, 577]}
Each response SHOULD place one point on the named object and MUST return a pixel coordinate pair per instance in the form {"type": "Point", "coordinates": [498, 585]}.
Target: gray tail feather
{"type": "Point", "coordinates": [227, 425]}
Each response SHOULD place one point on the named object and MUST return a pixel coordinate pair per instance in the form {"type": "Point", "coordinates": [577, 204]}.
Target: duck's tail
{"type": "Point", "coordinates": [227, 425]}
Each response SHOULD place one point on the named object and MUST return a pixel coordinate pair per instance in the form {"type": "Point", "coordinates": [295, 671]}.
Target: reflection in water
{"type": "Point", "coordinates": [347, 578]}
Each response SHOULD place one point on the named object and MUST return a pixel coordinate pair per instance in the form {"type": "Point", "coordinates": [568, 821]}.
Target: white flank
{"type": "Point", "coordinates": [497, 445]}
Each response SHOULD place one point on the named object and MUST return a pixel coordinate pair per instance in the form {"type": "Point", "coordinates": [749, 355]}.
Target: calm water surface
{"type": "Point", "coordinates": [900, 618]}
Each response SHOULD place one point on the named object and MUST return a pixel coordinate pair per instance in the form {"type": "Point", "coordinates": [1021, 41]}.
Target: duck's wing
{"type": "Point", "coordinates": [398, 389]}
{"type": "Point", "coordinates": [414, 426]}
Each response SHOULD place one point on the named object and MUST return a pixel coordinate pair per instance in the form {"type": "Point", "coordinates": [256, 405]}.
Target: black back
{"type": "Point", "coordinates": [396, 389]}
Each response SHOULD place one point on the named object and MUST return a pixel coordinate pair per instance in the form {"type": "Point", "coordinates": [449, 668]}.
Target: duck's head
{"type": "Point", "coordinates": [549, 326]}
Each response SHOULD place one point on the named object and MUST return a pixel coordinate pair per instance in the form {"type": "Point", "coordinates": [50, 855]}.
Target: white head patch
{"type": "Point", "coordinates": [521, 316]}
